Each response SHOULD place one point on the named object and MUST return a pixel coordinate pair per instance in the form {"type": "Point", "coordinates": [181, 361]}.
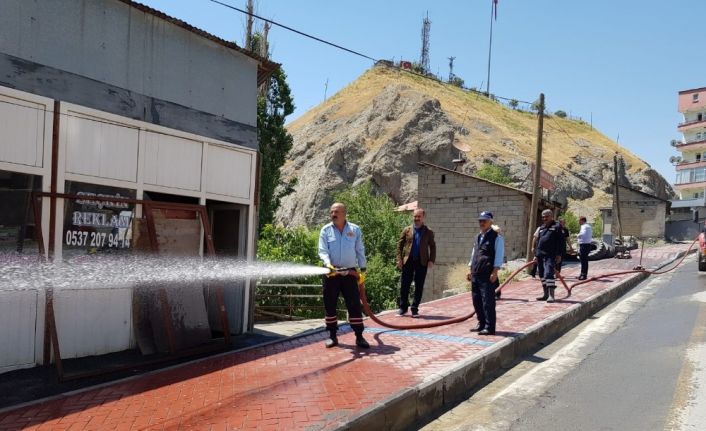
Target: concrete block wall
{"type": "Point", "coordinates": [640, 215]}
{"type": "Point", "coordinates": [452, 202]}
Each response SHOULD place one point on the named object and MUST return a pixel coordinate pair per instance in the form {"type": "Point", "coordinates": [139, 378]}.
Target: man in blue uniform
{"type": "Point", "coordinates": [341, 246]}
{"type": "Point", "coordinates": [551, 245]}
{"type": "Point", "coordinates": [486, 261]}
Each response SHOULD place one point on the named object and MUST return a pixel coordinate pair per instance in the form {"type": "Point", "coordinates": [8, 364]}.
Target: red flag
{"type": "Point", "coordinates": [495, 9]}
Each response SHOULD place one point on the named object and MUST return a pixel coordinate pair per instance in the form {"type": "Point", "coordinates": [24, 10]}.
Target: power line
{"type": "Point", "coordinates": [286, 27]}
{"type": "Point", "coordinates": [318, 39]}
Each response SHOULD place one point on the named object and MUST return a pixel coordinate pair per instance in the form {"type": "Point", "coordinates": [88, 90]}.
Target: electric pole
{"type": "Point", "coordinates": [493, 17]}
{"type": "Point", "coordinates": [248, 25]}
{"type": "Point", "coordinates": [536, 186]}
{"type": "Point", "coordinates": [616, 197]}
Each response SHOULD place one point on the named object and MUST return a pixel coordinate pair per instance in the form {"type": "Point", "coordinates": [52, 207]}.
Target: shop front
{"type": "Point", "coordinates": [78, 184]}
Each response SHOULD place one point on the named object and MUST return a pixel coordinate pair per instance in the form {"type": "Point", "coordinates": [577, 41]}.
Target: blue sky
{"type": "Point", "coordinates": [620, 61]}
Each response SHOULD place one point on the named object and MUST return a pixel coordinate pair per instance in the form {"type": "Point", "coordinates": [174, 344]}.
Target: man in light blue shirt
{"type": "Point", "coordinates": [486, 260]}
{"type": "Point", "coordinates": [584, 238]}
{"type": "Point", "coordinates": [341, 246]}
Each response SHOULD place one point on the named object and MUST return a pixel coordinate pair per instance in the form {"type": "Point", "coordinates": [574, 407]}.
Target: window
{"type": "Point", "coordinates": [443, 179]}
{"type": "Point", "coordinates": [699, 117]}
{"type": "Point", "coordinates": [695, 98]}
{"type": "Point", "coordinates": [698, 157]}
{"type": "Point", "coordinates": [18, 227]}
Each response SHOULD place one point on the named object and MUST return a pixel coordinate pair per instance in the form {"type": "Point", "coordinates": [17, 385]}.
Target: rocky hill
{"type": "Point", "coordinates": [378, 128]}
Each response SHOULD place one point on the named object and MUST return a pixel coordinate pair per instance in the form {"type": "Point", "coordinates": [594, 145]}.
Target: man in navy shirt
{"type": "Point", "coordinates": [486, 260]}
{"type": "Point", "coordinates": [551, 245]}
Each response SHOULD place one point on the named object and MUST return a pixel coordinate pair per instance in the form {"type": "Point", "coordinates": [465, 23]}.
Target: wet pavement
{"type": "Point", "coordinates": [297, 383]}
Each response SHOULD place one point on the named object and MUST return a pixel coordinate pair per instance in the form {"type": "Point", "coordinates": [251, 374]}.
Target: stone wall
{"type": "Point", "coordinates": [452, 202]}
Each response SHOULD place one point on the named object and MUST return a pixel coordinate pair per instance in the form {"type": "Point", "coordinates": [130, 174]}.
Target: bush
{"type": "Point", "coordinates": [376, 216]}
{"type": "Point", "coordinates": [382, 284]}
{"type": "Point", "coordinates": [571, 222]}
{"type": "Point", "coordinates": [560, 114]}
{"type": "Point", "coordinates": [514, 103]}
{"type": "Point", "coordinates": [597, 227]}
{"type": "Point", "coordinates": [494, 173]}
{"type": "Point", "coordinates": [457, 81]}
{"type": "Point", "coordinates": [295, 245]}
{"type": "Point", "coordinates": [381, 226]}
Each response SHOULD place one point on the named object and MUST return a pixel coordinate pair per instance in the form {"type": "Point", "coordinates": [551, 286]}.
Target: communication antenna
{"type": "Point", "coordinates": [451, 68]}
{"type": "Point", "coordinates": [424, 57]}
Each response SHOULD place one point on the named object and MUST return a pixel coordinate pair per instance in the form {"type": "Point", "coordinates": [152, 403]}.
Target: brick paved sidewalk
{"type": "Point", "coordinates": [297, 383]}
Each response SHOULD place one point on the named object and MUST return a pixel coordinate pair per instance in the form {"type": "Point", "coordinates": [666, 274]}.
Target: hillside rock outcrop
{"type": "Point", "coordinates": [379, 127]}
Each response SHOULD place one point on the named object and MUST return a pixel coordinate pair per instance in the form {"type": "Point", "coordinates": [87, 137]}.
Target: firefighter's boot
{"type": "Point", "coordinates": [361, 342]}
{"type": "Point", "coordinates": [551, 295]}
{"type": "Point", "coordinates": [545, 296]}
{"type": "Point", "coordinates": [333, 339]}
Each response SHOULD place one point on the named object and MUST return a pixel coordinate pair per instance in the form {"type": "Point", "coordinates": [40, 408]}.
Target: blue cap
{"type": "Point", "coordinates": [485, 215]}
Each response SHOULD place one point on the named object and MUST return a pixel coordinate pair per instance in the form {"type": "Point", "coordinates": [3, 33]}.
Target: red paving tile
{"type": "Point", "coordinates": [298, 384]}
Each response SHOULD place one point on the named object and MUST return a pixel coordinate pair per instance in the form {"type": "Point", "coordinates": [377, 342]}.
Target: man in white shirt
{"type": "Point", "coordinates": [585, 236]}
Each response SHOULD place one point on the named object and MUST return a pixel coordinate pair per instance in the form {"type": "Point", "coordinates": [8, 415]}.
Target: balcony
{"type": "Point", "coordinates": [691, 124]}
{"type": "Point", "coordinates": [695, 144]}
{"type": "Point", "coordinates": [690, 164]}
{"type": "Point", "coordinates": [688, 203]}
{"type": "Point", "coordinates": [685, 185]}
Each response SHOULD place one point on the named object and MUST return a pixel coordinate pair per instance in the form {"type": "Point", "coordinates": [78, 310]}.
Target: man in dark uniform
{"type": "Point", "coordinates": [341, 246]}
{"type": "Point", "coordinates": [551, 245]}
{"type": "Point", "coordinates": [486, 261]}
{"type": "Point", "coordinates": [567, 238]}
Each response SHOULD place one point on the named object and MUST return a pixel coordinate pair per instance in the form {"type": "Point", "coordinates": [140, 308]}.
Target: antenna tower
{"type": "Point", "coordinates": [451, 68]}
{"type": "Point", "coordinates": [424, 58]}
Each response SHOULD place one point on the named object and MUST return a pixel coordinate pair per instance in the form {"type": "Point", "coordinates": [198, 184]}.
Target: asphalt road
{"type": "Point", "coordinates": [639, 364]}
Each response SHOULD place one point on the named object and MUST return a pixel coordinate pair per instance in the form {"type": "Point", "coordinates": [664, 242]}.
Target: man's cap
{"type": "Point", "coordinates": [485, 215]}
{"type": "Point", "coordinates": [547, 213]}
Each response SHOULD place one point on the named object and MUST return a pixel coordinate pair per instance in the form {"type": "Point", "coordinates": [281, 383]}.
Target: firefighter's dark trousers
{"type": "Point", "coordinates": [348, 286]}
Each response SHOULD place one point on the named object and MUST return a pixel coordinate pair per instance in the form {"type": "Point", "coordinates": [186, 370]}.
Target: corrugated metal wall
{"type": "Point", "coordinates": [18, 311]}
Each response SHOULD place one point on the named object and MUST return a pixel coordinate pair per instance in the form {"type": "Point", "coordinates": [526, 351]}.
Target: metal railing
{"type": "Point", "coordinates": [690, 122]}
{"type": "Point", "coordinates": [282, 301]}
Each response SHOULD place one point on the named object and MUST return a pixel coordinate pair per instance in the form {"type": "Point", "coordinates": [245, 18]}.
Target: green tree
{"type": "Point", "coordinates": [560, 114]}
{"type": "Point", "coordinates": [275, 142]}
{"type": "Point", "coordinates": [513, 103]}
{"type": "Point", "coordinates": [376, 216]}
{"type": "Point", "coordinates": [457, 81]}
{"type": "Point", "coordinates": [494, 173]}
{"type": "Point", "coordinates": [381, 226]}
{"type": "Point", "coordinates": [296, 245]}
{"type": "Point", "coordinates": [597, 226]}
{"type": "Point", "coordinates": [572, 221]}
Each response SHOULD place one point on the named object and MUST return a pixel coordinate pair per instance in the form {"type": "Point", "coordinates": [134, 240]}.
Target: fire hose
{"type": "Point", "coordinates": [569, 288]}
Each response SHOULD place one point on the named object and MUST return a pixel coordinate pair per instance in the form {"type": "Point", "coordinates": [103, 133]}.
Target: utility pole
{"type": "Point", "coordinates": [325, 89]}
{"type": "Point", "coordinates": [493, 17]}
{"type": "Point", "coordinates": [451, 68]}
{"type": "Point", "coordinates": [616, 196]}
{"type": "Point", "coordinates": [536, 186]}
{"type": "Point", "coordinates": [248, 25]}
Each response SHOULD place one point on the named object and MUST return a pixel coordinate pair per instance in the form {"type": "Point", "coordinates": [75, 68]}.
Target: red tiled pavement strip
{"type": "Point", "coordinates": [298, 384]}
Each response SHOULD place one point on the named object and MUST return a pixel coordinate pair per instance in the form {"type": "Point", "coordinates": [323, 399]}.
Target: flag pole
{"type": "Point", "coordinates": [490, 44]}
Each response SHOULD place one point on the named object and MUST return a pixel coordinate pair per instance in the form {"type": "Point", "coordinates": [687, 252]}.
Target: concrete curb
{"type": "Point", "coordinates": [442, 390]}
